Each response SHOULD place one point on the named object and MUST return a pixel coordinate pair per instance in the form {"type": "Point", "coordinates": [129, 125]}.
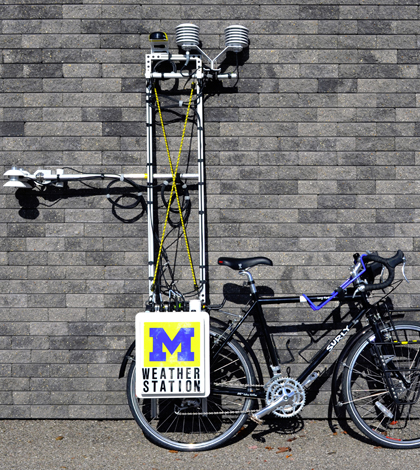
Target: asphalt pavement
{"type": "Point", "coordinates": [120, 445]}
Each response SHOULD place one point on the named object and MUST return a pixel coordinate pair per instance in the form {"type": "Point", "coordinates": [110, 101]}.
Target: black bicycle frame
{"type": "Point", "coordinates": [257, 310]}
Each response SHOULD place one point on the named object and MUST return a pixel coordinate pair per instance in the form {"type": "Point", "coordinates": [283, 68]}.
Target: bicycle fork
{"type": "Point", "coordinates": [384, 359]}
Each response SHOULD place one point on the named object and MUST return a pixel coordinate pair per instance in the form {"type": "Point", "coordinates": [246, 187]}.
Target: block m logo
{"type": "Point", "coordinates": [160, 338]}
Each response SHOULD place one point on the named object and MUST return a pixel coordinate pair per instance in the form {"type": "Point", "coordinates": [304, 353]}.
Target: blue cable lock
{"type": "Point", "coordinates": [336, 292]}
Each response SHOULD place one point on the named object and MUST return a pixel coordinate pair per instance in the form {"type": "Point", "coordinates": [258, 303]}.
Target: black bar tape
{"type": "Point", "coordinates": [388, 263]}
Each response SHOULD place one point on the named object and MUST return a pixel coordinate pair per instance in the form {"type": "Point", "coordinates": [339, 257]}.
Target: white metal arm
{"type": "Point", "coordinates": [20, 178]}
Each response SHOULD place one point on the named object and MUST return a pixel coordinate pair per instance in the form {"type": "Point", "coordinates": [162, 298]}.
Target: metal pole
{"type": "Point", "coordinates": [201, 192]}
{"type": "Point", "coordinates": [150, 205]}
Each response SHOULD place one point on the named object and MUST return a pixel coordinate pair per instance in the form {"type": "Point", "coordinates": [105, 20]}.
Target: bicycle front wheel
{"type": "Point", "coordinates": [383, 402]}
{"type": "Point", "coordinates": [199, 424]}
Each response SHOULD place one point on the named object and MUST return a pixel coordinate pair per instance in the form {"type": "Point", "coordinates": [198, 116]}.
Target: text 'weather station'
{"type": "Point", "coordinates": [172, 354]}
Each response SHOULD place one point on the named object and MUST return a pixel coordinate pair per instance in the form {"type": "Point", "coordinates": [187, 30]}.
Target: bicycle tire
{"type": "Point", "coordinates": [162, 425]}
{"type": "Point", "coordinates": [366, 392]}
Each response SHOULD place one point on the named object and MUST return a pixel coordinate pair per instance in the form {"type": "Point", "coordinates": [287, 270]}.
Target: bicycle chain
{"type": "Point", "coordinates": [216, 413]}
{"type": "Point", "coordinates": [223, 412]}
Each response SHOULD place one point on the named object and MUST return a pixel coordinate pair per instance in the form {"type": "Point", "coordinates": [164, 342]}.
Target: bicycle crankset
{"type": "Point", "coordinates": [279, 386]}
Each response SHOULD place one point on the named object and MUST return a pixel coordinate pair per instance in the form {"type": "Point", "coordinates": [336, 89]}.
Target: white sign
{"type": "Point", "coordinates": [172, 354]}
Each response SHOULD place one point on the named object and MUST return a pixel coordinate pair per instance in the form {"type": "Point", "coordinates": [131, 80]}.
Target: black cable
{"type": "Point", "coordinates": [72, 169]}
{"type": "Point", "coordinates": [115, 202]}
{"type": "Point", "coordinates": [174, 68]}
{"type": "Point", "coordinates": [185, 194]}
{"type": "Point", "coordinates": [185, 207]}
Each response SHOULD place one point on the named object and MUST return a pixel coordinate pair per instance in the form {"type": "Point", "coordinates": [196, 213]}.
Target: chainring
{"type": "Point", "coordinates": [278, 386]}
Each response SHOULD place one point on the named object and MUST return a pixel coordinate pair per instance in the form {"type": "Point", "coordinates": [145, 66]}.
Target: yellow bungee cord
{"type": "Point", "coordinates": [174, 189]}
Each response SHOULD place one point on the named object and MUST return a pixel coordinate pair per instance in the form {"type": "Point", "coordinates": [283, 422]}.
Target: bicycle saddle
{"type": "Point", "coordinates": [244, 263]}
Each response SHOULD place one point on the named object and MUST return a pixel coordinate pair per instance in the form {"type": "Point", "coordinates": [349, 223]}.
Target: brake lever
{"type": "Point", "coordinates": [381, 279]}
{"type": "Point", "coordinates": [403, 271]}
{"type": "Point", "coordinates": [360, 288]}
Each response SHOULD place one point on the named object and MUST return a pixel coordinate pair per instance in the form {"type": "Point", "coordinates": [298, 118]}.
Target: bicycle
{"type": "Point", "coordinates": [380, 382]}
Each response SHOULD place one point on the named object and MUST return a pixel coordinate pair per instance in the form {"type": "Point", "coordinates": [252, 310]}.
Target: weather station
{"type": "Point", "coordinates": [167, 76]}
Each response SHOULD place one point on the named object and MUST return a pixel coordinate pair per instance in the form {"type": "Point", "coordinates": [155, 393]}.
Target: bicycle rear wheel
{"type": "Point", "coordinates": [198, 424]}
{"type": "Point", "coordinates": [389, 421]}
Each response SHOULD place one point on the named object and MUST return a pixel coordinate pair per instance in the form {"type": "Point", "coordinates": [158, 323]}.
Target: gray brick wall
{"type": "Point", "coordinates": [311, 155]}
